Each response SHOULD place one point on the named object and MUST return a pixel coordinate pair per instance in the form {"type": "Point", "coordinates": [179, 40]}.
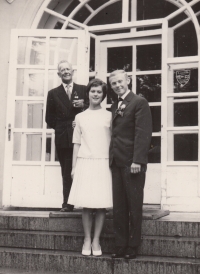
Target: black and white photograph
{"type": "Point", "coordinates": [100, 137]}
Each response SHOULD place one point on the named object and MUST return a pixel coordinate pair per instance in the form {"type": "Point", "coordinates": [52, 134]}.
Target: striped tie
{"type": "Point", "coordinates": [68, 91]}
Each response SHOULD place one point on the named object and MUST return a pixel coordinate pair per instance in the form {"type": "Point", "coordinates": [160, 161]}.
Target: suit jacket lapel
{"type": "Point", "coordinates": [128, 98]}
{"type": "Point", "coordinates": [63, 96]}
{"type": "Point", "coordinates": [74, 88]}
{"type": "Point", "coordinates": [114, 108]}
{"type": "Point", "coordinates": [125, 102]}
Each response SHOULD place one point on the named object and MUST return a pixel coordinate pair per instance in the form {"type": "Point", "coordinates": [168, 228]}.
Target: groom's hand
{"type": "Point", "coordinates": [135, 168]}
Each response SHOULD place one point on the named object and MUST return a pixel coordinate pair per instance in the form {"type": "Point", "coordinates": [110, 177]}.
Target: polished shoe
{"type": "Point", "coordinates": [68, 208]}
{"type": "Point", "coordinates": [131, 253]}
{"type": "Point", "coordinates": [97, 252]}
{"type": "Point", "coordinates": [119, 252]}
{"type": "Point", "coordinates": [86, 252]}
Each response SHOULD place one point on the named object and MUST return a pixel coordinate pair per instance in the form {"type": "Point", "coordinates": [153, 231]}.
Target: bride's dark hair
{"type": "Point", "coordinates": [97, 83]}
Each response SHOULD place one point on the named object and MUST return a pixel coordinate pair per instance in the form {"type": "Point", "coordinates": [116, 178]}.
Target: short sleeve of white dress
{"type": "Point", "coordinates": [77, 132]}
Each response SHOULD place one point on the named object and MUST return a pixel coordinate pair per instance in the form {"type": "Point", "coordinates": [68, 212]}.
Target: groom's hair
{"type": "Point", "coordinates": [97, 83]}
{"type": "Point", "coordinates": [118, 71]}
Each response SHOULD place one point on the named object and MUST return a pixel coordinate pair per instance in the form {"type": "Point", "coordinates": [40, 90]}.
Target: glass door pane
{"type": "Point", "coordinates": [148, 57]}
{"type": "Point", "coordinates": [28, 114]}
{"type": "Point", "coordinates": [30, 82]}
{"type": "Point", "coordinates": [118, 58]}
{"type": "Point", "coordinates": [31, 51]}
{"type": "Point", "coordinates": [63, 49]}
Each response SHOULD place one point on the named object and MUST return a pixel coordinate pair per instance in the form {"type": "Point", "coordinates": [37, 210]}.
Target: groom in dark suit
{"type": "Point", "coordinates": [130, 142]}
{"type": "Point", "coordinates": [63, 103]}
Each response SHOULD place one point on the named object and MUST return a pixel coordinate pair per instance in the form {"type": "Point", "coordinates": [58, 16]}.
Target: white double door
{"type": "Point", "coordinates": [32, 175]}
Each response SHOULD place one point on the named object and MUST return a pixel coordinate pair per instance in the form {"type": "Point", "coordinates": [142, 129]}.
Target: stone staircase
{"type": "Point", "coordinates": [33, 242]}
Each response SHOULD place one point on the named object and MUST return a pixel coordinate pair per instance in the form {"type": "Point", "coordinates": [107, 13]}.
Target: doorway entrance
{"type": "Point", "coordinates": [33, 177]}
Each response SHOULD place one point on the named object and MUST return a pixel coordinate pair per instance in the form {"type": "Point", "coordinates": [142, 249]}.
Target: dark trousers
{"type": "Point", "coordinates": [65, 159]}
{"type": "Point", "coordinates": [127, 205]}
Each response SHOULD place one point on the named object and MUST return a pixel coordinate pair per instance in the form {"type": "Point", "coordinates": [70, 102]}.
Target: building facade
{"type": "Point", "coordinates": [156, 41]}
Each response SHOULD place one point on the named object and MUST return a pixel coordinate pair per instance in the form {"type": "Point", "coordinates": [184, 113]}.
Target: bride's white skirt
{"type": "Point", "coordinates": [92, 184]}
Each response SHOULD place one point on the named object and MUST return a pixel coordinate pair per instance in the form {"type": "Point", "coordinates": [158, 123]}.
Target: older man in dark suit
{"type": "Point", "coordinates": [63, 103]}
{"type": "Point", "coordinates": [131, 136]}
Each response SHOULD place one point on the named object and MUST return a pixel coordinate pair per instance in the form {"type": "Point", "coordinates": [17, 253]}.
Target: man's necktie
{"type": "Point", "coordinates": [68, 91]}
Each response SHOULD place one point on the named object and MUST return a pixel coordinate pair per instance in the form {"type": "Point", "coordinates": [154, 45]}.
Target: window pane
{"type": "Point", "coordinates": [30, 82]}
{"type": "Point", "coordinates": [155, 150]}
{"type": "Point", "coordinates": [177, 19]}
{"type": "Point", "coordinates": [196, 7]}
{"type": "Point", "coordinates": [149, 57]}
{"type": "Point", "coordinates": [82, 15]}
{"type": "Point", "coordinates": [31, 50]}
{"type": "Point", "coordinates": [27, 146]}
{"type": "Point", "coordinates": [152, 9]}
{"type": "Point", "coordinates": [119, 58]}
{"type": "Point", "coordinates": [109, 15]}
{"type": "Point", "coordinates": [48, 148]}
{"type": "Point", "coordinates": [182, 41]}
{"type": "Point", "coordinates": [63, 49]}
{"type": "Point", "coordinates": [58, 25]}
{"type": "Point", "coordinates": [92, 54]}
{"type": "Point", "coordinates": [56, 156]}
{"type": "Point", "coordinates": [70, 7]}
{"type": "Point", "coordinates": [156, 118]}
{"type": "Point", "coordinates": [186, 80]}
{"type": "Point", "coordinates": [186, 114]}
{"type": "Point", "coordinates": [95, 4]}
{"type": "Point", "coordinates": [186, 147]}
{"type": "Point", "coordinates": [149, 86]}
{"type": "Point", "coordinates": [28, 114]}
{"type": "Point", "coordinates": [51, 154]}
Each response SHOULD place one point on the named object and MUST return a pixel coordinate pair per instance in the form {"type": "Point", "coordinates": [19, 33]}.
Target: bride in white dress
{"type": "Point", "coordinates": [92, 182]}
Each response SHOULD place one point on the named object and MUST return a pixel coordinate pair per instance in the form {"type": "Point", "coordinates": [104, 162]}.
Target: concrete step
{"type": "Point", "coordinates": [7, 270]}
{"type": "Point", "coordinates": [70, 262]}
{"type": "Point", "coordinates": [67, 241]}
{"type": "Point", "coordinates": [172, 225]}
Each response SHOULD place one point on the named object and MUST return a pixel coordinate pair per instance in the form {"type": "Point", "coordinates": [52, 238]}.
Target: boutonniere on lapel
{"type": "Point", "coordinates": [120, 110]}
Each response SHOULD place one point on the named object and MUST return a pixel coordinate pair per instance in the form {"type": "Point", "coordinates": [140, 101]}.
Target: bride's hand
{"type": "Point", "coordinates": [73, 124]}
{"type": "Point", "coordinates": [72, 173]}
